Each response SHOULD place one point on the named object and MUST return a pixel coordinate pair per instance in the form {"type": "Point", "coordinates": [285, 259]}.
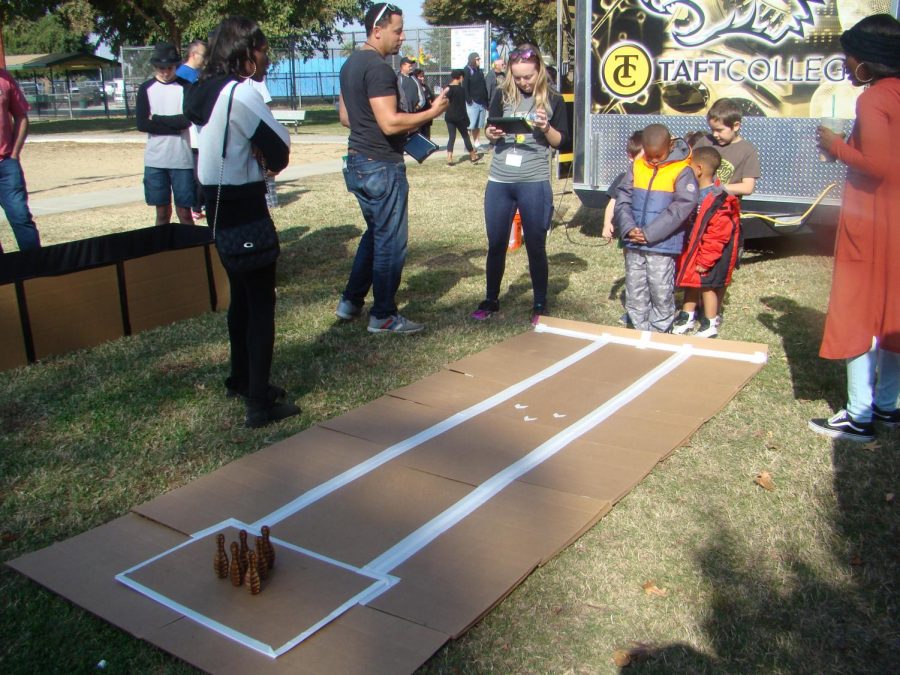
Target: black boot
{"type": "Point", "coordinates": [233, 389]}
{"type": "Point", "coordinates": [261, 414]}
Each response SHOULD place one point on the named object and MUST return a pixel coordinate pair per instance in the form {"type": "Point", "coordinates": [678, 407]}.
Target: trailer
{"type": "Point", "coordinates": [625, 64]}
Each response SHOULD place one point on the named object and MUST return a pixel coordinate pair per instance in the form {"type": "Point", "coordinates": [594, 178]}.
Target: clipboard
{"type": "Point", "coordinates": [511, 125]}
{"type": "Point", "coordinates": [418, 147]}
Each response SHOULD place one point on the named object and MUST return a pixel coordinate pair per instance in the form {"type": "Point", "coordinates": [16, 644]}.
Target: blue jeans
{"type": "Point", "coordinates": [14, 200]}
{"type": "Point", "coordinates": [873, 377]}
{"type": "Point", "coordinates": [535, 203]}
{"type": "Point", "coordinates": [383, 194]}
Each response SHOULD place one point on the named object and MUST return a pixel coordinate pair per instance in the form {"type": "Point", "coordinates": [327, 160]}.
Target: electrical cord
{"type": "Point", "coordinates": [792, 223]}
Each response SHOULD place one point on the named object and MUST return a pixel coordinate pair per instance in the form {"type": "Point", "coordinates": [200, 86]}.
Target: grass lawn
{"type": "Point", "coordinates": [802, 579]}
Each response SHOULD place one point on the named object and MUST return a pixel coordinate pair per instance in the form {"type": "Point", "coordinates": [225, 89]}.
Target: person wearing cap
{"type": "Point", "coordinates": [411, 99]}
{"type": "Point", "coordinates": [13, 192]}
{"type": "Point", "coordinates": [862, 324]}
{"type": "Point", "coordinates": [475, 89]}
{"type": "Point", "coordinates": [168, 161]}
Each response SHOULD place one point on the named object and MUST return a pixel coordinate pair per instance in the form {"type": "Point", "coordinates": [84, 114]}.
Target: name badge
{"type": "Point", "coordinates": [513, 159]}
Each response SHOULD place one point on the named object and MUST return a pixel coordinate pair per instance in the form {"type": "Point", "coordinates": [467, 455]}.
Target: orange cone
{"type": "Point", "coordinates": [515, 234]}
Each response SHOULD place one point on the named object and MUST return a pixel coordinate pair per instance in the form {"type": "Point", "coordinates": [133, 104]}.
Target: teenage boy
{"type": "Point", "coordinates": [654, 203]}
{"type": "Point", "coordinates": [709, 258]}
{"type": "Point", "coordinates": [168, 162]}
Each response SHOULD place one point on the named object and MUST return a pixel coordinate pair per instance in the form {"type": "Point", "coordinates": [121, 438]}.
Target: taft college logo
{"type": "Point", "coordinates": [626, 70]}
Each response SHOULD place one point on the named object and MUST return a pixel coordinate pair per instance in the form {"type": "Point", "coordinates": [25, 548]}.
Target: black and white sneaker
{"type": "Point", "coordinates": [889, 418]}
{"type": "Point", "coordinates": [709, 328]}
{"type": "Point", "coordinates": [684, 322]}
{"type": "Point", "coordinates": [841, 425]}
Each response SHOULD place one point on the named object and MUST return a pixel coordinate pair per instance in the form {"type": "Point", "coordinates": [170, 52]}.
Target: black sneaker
{"type": "Point", "coordinates": [259, 416]}
{"type": "Point", "coordinates": [841, 425]}
{"type": "Point", "coordinates": [537, 312]}
{"type": "Point", "coordinates": [890, 418]}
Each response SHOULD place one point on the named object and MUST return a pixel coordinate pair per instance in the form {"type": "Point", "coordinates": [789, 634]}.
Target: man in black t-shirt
{"type": "Point", "coordinates": [375, 171]}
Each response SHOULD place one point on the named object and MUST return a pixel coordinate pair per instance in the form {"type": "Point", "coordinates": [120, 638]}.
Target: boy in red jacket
{"type": "Point", "coordinates": [705, 266]}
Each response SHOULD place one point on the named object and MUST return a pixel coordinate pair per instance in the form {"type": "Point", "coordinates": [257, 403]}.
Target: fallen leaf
{"type": "Point", "coordinates": [8, 537]}
{"type": "Point", "coordinates": [871, 445]}
{"type": "Point", "coordinates": [889, 498]}
{"type": "Point", "coordinates": [651, 588]}
{"type": "Point", "coordinates": [765, 481]}
{"type": "Point", "coordinates": [622, 658]}
{"type": "Point", "coordinates": [856, 560]}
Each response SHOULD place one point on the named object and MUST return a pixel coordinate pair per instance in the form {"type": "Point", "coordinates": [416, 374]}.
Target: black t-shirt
{"type": "Point", "coordinates": [367, 75]}
{"type": "Point", "coordinates": [456, 109]}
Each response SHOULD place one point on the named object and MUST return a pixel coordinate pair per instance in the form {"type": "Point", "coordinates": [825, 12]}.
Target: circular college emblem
{"type": "Point", "coordinates": [626, 69]}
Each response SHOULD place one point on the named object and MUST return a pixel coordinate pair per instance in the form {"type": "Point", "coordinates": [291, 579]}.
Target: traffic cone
{"type": "Point", "coordinates": [515, 234]}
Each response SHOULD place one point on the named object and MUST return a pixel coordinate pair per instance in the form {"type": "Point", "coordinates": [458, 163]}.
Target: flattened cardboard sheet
{"type": "Point", "coordinates": [387, 420]}
{"type": "Point", "coordinates": [361, 642]}
{"type": "Point", "coordinates": [458, 577]}
{"type": "Point", "coordinates": [448, 390]}
{"type": "Point", "coordinates": [358, 522]}
{"type": "Point", "coordinates": [12, 340]}
{"type": "Point", "coordinates": [74, 311]}
{"type": "Point", "coordinates": [166, 287]}
{"type": "Point", "coordinates": [258, 484]}
{"type": "Point", "coordinates": [82, 569]}
{"type": "Point", "coordinates": [300, 591]}
{"type": "Point", "coordinates": [594, 470]}
{"type": "Point", "coordinates": [452, 516]}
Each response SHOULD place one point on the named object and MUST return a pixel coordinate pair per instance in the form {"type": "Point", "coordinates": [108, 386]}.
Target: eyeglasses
{"type": "Point", "coordinates": [523, 54]}
{"type": "Point", "coordinates": [387, 6]}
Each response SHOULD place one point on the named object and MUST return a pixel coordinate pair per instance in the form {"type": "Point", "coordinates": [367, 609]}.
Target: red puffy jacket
{"type": "Point", "coordinates": [714, 242]}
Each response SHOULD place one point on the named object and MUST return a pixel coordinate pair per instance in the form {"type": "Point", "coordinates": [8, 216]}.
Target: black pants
{"type": "Point", "coordinates": [251, 330]}
{"type": "Point", "coordinates": [452, 128]}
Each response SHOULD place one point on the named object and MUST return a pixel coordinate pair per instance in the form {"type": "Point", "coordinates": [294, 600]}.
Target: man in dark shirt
{"type": "Point", "coordinates": [476, 92]}
{"type": "Point", "coordinates": [409, 88]}
{"type": "Point", "coordinates": [375, 171]}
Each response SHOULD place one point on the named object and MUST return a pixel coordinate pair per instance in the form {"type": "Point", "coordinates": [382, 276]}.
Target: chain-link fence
{"type": "Point", "coordinates": [291, 79]}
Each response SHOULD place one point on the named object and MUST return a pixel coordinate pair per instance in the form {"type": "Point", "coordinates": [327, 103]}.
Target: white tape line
{"type": "Point", "coordinates": [417, 540]}
{"type": "Point", "coordinates": [644, 342]}
{"type": "Point", "coordinates": [202, 619]}
{"type": "Point", "coordinates": [394, 451]}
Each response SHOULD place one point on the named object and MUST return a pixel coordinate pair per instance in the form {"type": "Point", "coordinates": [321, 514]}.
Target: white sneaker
{"type": "Point", "coordinates": [684, 322]}
{"type": "Point", "coordinates": [708, 328]}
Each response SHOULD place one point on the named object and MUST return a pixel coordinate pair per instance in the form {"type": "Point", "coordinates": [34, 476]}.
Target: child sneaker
{"type": "Point", "coordinates": [683, 323]}
{"type": "Point", "coordinates": [708, 328]}
{"type": "Point", "coordinates": [890, 418]}
{"type": "Point", "coordinates": [394, 324]}
{"type": "Point", "coordinates": [841, 425]}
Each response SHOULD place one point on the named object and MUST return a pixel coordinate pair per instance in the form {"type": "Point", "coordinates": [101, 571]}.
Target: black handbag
{"type": "Point", "coordinates": [248, 246]}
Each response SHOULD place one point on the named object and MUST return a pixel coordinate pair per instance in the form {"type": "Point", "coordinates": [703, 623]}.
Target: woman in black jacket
{"type": "Point", "coordinates": [236, 121]}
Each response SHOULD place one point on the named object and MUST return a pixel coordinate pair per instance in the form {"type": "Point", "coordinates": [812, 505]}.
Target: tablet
{"type": "Point", "coordinates": [510, 125]}
{"type": "Point", "coordinates": [418, 147]}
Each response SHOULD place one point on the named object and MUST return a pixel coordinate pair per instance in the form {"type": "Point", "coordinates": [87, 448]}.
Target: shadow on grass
{"type": "Point", "coordinates": [561, 267]}
{"type": "Point", "coordinates": [801, 329]}
{"type": "Point", "coordinates": [805, 619]}
{"type": "Point", "coordinates": [774, 248]}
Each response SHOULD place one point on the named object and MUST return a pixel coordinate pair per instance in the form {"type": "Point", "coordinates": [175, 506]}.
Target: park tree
{"type": "Point", "coordinates": [311, 23]}
{"type": "Point", "coordinates": [515, 20]}
{"type": "Point", "coordinates": [50, 34]}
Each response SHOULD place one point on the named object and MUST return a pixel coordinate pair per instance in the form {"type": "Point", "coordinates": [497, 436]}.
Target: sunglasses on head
{"type": "Point", "coordinates": [387, 6]}
{"type": "Point", "coordinates": [522, 54]}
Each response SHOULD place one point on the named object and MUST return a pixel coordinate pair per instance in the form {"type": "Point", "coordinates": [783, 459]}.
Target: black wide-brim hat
{"type": "Point", "coordinates": [164, 55]}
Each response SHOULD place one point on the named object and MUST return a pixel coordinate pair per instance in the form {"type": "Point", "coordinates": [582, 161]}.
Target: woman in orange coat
{"type": "Point", "coordinates": [863, 320]}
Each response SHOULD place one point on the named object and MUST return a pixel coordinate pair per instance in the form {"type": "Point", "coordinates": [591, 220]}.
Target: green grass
{"type": "Point", "coordinates": [97, 124]}
{"type": "Point", "coordinates": [802, 579]}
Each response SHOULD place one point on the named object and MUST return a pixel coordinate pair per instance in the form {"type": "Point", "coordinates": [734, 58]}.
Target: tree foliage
{"type": "Point", "coordinates": [515, 20]}
{"type": "Point", "coordinates": [311, 23]}
{"type": "Point", "coordinates": [50, 34]}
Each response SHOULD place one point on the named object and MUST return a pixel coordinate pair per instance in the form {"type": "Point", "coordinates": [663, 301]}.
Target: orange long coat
{"type": "Point", "coordinates": [865, 288]}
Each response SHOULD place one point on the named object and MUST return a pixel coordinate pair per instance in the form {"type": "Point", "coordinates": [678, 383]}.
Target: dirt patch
{"type": "Point", "coordinates": [64, 168]}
